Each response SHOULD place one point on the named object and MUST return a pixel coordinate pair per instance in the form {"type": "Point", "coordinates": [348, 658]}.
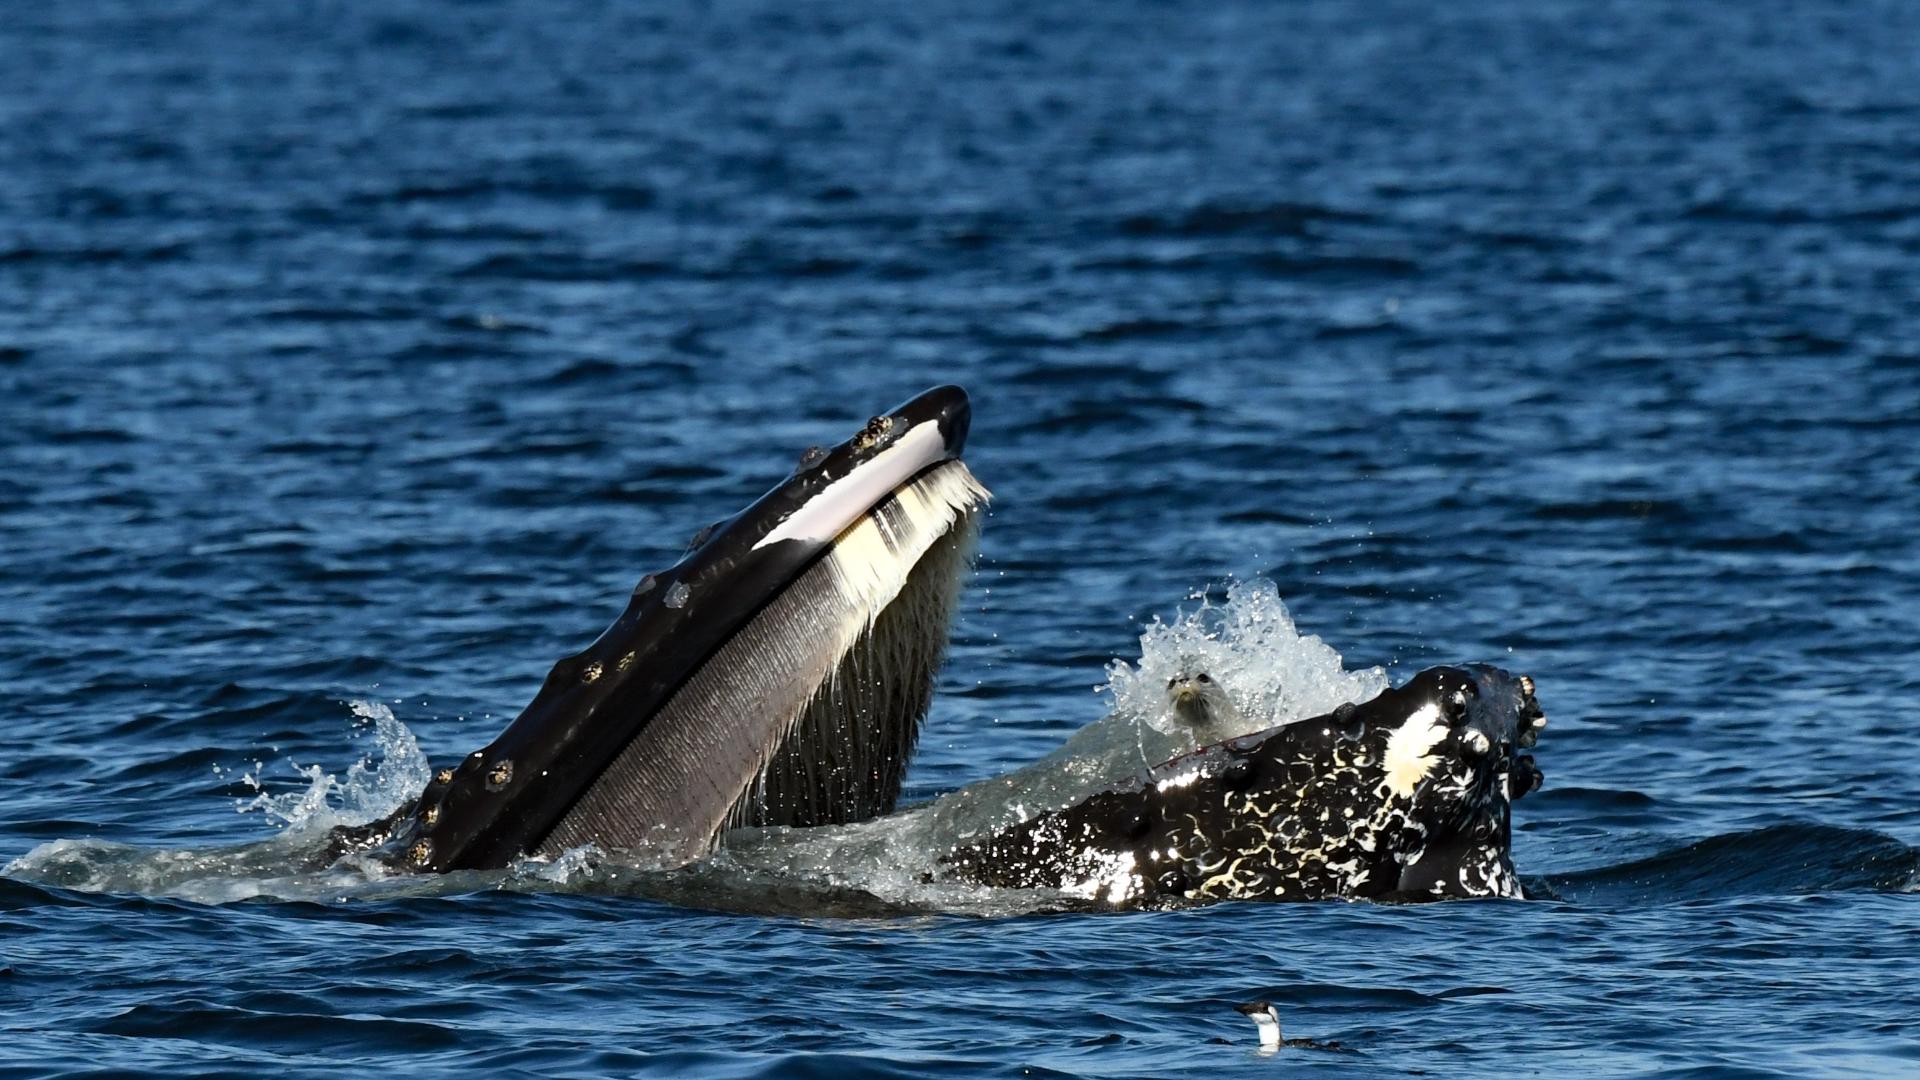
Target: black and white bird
{"type": "Point", "coordinates": [1268, 1022]}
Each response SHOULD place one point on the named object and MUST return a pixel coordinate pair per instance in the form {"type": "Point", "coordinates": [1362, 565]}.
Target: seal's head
{"type": "Point", "coordinates": [1200, 703]}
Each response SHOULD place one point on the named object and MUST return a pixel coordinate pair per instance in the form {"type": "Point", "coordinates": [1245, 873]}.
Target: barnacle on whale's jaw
{"type": "Point", "coordinates": [1406, 796]}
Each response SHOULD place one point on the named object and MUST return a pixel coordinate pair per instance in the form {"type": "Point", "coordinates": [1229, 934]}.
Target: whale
{"type": "Point", "coordinates": [773, 682]}
{"type": "Point", "coordinates": [777, 675]}
{"type": "Point", "coordinates": [1406, 796]}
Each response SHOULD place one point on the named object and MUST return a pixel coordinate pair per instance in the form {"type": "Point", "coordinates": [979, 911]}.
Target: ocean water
{"type": "Point", "coordinates": [356, 360]}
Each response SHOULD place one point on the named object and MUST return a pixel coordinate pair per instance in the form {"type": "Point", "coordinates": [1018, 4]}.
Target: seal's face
{"type": "Point", "coordinates": [1198, 699]}
{"type": "Point", "coordinates": [1184, 688]}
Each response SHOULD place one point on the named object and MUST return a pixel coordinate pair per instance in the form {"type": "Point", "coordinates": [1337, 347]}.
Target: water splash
{"type": "Point", "coordinates": [1249, 643]}
{"type": "Point", "coordinates": [574, 865]}
{"type": "Point", "coordinates": [1251, 646]}
{"type": "Point", "coordinates": [372, 787]}
{"type": "Point", "coordinates": [283, 867]}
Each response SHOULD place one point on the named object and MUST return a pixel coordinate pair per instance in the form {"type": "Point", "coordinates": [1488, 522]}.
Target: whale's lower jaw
{"type": "Point", "coordinates": [1406, 796]}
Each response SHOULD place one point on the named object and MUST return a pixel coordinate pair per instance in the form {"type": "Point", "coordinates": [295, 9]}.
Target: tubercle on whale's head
{"type": "Point", "coordinates": [1490, 717]}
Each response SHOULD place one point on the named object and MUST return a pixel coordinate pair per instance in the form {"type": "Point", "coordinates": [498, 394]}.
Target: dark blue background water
{"type": "Point", "coordinates": [374, 351]}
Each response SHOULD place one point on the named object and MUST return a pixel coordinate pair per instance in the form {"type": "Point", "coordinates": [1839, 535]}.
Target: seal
{"type": "Point", "coordinates": [1200, 702]}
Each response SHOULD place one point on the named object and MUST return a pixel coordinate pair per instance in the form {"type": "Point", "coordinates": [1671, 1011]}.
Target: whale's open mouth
{"type": "Point", "coordinates": [777, 675]}
{"type": "Point", "coordinates": [809, 712]}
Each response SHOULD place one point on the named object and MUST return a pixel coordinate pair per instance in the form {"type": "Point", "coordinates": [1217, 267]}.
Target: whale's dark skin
{"type": "Point", "coordinates": [1310, 810]}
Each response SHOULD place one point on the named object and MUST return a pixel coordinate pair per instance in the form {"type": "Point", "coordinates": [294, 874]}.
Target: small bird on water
{"type": "Point", "coordinates": [1201, 703]}
{"type": "Point", "coordinates": [1268, 1021]}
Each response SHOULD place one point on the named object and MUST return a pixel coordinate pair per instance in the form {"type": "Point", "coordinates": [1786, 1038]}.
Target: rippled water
{"type": "Point", "coordinates": [369, 355]}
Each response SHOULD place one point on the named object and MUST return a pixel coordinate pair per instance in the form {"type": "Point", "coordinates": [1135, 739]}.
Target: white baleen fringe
{"type": "Point", "coordinates": [877, 606]}
{"type": "Point", "coordinates": [871, 560]}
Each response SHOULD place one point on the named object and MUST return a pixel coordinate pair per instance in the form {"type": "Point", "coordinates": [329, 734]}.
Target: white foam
{"type": "Point", "coordinates": [1250, 646]}
{"type": "Point", "coordinates": [374, 786]}
{"type": "Point", "coordinates": [576, 864]}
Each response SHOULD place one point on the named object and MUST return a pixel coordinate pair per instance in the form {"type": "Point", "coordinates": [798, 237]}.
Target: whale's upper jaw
{"type": "Point", "coordinates": [831, 490]}
{"type": "Point", "coordinates": [1403, 796]}
{"type": "Point", "coordinates": [502, 801]}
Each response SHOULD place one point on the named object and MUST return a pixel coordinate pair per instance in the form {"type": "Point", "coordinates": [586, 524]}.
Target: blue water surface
{"type": "Point", "coordinates": [372, 352]}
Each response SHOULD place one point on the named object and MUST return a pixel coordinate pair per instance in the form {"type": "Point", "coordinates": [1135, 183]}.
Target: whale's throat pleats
{"type": "Point", "coordinates": [806, 715]}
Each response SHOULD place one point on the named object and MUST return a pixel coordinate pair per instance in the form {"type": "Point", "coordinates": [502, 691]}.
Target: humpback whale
{"type": "Point", "coordinates": [1405, 796]}
{"type": "Point", "coordinates": [776, 675]}
{"type": "Point", "coordinates": [775, 680]}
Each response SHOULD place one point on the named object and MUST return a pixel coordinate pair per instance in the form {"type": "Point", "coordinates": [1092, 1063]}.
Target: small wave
{"type": "Point", "coordinates": [317, 1030]}
{"type": "Point", "coordinates": [534, 185]}
{"type": "Point", "coordinates": [1778, 860]}
{"type": "Point", "coordinates": [1238, 218]}
{"type": "Point", "coordinates": [1665, 511]}
{"type": "Point", "coordinates": [283, 866]}
{"type": "Point", "coordinates": [560, 266]}
{"type": "Point", "coordinates": [373, 786]}
{"type": "Point", "coordinates": [94, 255]}
{"type": "Point", "coordinates": [1596, 805]}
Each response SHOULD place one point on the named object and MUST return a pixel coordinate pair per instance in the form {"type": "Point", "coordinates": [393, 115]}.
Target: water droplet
{"type": "Point", "coordinates": [677, 596]}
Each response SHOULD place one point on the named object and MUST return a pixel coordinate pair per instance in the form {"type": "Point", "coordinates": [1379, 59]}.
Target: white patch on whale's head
{"type": "Point", "coordinates": [1410, 750]}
